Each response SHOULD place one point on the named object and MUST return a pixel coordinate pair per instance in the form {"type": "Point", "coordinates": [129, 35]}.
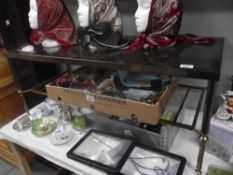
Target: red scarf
{"type": "Point", "coordinates": [54, 23]}
{"type": "Point", "coordinates": [163, 27]}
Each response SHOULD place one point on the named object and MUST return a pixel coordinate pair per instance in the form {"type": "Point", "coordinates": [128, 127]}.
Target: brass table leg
{"type": "Point", "coordinates": [205, 125]}
{"type": "Point", "coordinates": [202, 144]}
{"type": "Point", "coordinates": [22, 162]}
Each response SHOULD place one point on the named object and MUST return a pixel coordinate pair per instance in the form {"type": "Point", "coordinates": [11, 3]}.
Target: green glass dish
{"type": "Point", "coordinates": [79, 123]}
{"type": "Point", "coordinates": [43, 126]}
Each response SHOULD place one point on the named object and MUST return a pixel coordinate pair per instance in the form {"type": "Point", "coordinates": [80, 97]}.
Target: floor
{"type": "Point", "coordinates": [37, 169]}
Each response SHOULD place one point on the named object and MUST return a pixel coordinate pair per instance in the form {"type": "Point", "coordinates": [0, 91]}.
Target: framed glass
{"type": "Point", "coordinates": [150, 161]}
{"type": "Point", "coordinates": [102, 150]}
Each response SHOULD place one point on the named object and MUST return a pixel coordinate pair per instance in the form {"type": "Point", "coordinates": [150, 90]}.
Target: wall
{"type": "Point", "coordinates": [213, 18]}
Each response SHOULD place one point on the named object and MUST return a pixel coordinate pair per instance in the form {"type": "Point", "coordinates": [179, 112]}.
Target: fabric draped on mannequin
{"type": "Point", "coordinates": [105, 11]}
{"type": "Point", "coordinates": [105, 28]}
{"type": "Point", "coordinates": [163, 28]}
{"type": "Point", "coordinates": [54, 22]}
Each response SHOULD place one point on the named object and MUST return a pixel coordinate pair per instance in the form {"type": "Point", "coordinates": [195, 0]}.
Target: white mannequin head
{"type": "Point", "coordinates": [33, 21]}
{"type": "Point", "coordinates": [33, 14]}
{"type": "Point", "coordinates": [142, 15]}
{"type": "Point", "coordinates": [83, 12]}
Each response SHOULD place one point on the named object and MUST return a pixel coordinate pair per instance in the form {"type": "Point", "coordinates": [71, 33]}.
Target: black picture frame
{"type": "Point", "coordinates": [112, 170]}
{"type": "Point", "coordinates": [181, 159]}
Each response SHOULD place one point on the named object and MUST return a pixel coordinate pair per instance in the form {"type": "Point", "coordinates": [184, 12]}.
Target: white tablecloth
{"type": "Point", "coordinates": [185, 144]}
{"type": "Point", "coordinates": [43, 147]}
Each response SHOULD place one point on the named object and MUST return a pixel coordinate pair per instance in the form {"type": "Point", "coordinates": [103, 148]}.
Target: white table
{"type": "Point", "coordinates": [185, 144]}
{"type": "Point", "coordinates": [42, 146]}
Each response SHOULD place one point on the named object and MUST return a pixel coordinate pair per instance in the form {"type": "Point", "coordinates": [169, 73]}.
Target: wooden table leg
{"type": "Point", "coordinates": [22, 162]}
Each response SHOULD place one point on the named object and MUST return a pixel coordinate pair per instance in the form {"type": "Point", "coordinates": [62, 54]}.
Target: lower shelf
{"type": "Point", "coordinates": [180, 98]}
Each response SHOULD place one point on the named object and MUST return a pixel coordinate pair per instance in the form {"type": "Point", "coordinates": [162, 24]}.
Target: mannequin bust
{"type": "Point", "coordinates": [33, 15]}
{"type": "Point", "coordinates": [83, 13]}
{"type": "Point", "coordinates": [158, 23]}
{"type": "Point", "coordinates": [52, 25]}
{"type": "Point", "coordinates": [142, 15]}
{"type": "Point", "coordinates": [33, 21]}
{"type": "Point", "coordinates": [100, 24]}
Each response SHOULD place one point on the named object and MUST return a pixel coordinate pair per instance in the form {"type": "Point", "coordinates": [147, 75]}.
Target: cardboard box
{"type": "Point", "coordinates": [142, 112]}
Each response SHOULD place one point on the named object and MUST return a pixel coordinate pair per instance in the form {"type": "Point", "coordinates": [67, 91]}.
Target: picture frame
{"type": "Point", "coordinates": [153, 152]}
{"type": "Point", "coordinates": [106, 151]}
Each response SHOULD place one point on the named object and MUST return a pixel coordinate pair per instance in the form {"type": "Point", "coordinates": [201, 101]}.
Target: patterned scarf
{"type": "Point", "coordinates": [54, 23]}
{"type": "Point", "coordinates": [105, 28]}
{"type": "Point", "coordinates": [163, 27]}
{"type": "Point", "coordinates": [105, 11]}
